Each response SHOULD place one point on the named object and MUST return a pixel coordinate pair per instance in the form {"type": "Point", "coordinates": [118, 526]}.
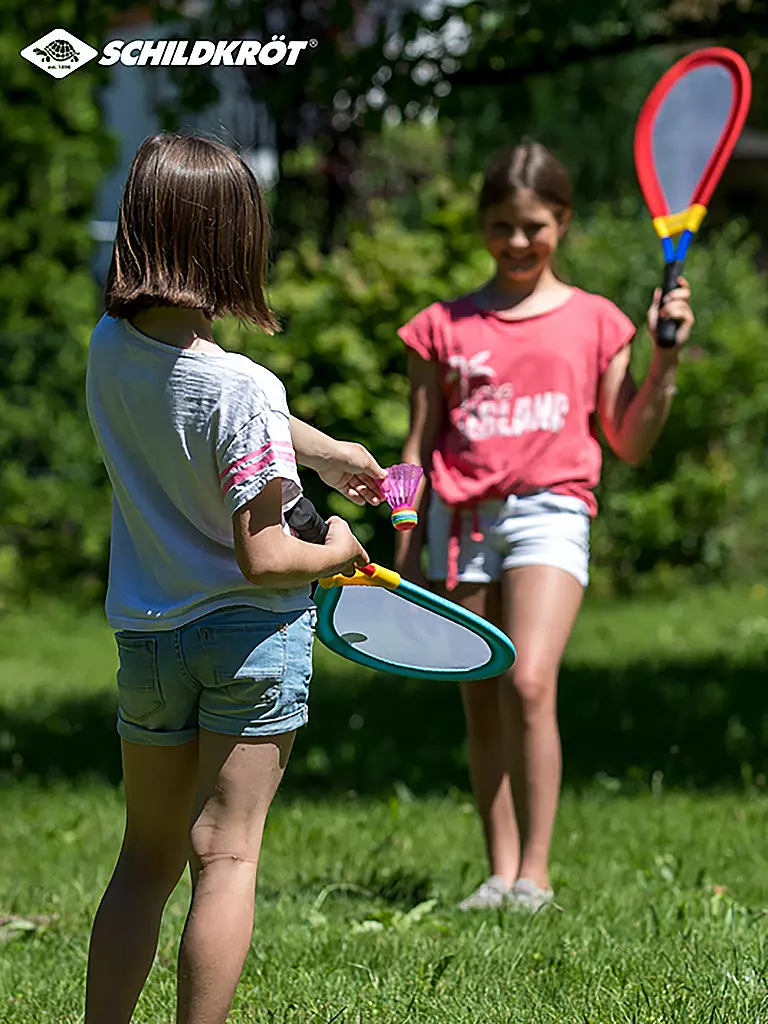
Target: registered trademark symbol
{"type": "Point", "coordinates": [313, 43]}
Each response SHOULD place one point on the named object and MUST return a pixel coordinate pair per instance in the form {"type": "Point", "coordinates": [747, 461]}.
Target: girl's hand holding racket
{"type": "Point", "coordinates": [676, 307]}
{"type": "Point", "coordinates": [351, 553]}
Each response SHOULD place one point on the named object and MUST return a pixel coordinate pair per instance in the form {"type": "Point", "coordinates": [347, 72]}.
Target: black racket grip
{"type": "Point", "coordinates": [666, 330]}
{"type": "Point", "coordinates": [306, 522]}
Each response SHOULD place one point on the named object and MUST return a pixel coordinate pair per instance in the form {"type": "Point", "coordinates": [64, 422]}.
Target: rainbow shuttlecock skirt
{"type": "Point", "coordinates": [404, 517]}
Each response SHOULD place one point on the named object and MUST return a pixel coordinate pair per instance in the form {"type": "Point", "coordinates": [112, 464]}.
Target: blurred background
{"type": "Point", "coordinates": [370, 150]}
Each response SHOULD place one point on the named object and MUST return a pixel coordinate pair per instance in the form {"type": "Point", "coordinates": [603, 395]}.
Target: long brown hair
{"type": "Point", "coordinates": [528, 165]}
{"type": "Point", "coordinates": [192, 231]}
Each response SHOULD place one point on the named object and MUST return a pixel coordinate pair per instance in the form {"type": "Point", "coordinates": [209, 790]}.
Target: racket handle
{"type": "Point", "coordinates": [306, 522]}
{"type": "Point", "coordinates": [666, 330]}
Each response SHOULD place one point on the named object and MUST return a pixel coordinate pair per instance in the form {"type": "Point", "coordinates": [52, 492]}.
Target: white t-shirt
{"type": "Point", "coordinates": [187, 439]}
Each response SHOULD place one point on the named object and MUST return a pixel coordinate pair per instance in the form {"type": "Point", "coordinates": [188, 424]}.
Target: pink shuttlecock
{"type": "Point", "coordinates": [400, 489]}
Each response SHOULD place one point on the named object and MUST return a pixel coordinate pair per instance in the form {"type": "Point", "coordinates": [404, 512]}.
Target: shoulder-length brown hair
{"type": "Point", "coordinates": [531, 166]}
{"type": "Point", "coordinates": [192, 231]}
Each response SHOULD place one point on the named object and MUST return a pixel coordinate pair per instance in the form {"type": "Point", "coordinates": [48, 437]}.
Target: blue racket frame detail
{"type": "Point", "coordinates": [503, 653]}
{"type": "Point", "coordinates": [677, 253]}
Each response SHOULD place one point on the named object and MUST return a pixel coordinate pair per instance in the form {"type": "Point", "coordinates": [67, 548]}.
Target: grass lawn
{"type": "Point", "coordinates": [663, 887]}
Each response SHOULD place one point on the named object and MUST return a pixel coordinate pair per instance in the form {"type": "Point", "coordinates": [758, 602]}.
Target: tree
{"type": "Point", "coordinates": [491, 68]}
{"type": "Point", "coordinates": [53, 492]}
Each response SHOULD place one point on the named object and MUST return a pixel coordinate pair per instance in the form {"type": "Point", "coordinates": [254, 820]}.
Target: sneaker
{"type": "Point", "coordinates": [488, 896]}
{"type": "Point", "coordinates": [527, 897]}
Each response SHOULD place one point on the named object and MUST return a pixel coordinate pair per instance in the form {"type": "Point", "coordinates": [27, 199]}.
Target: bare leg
{"type": "Point", "coordinates": [485, 746]}
{"type": "Point", "coordinates": [238, 779]}
{"type": "Point", "coordinates": [159, 787]}
{"type": "Point", "coordinates": [540, 606]}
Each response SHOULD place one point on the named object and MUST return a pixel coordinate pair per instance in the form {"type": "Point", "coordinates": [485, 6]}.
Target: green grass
{"type": "Point", "coordinates": [663, 887]}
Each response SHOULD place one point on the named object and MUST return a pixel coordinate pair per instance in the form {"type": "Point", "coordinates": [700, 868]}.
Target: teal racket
{"type": "Point", "coordinates": [379, 620]}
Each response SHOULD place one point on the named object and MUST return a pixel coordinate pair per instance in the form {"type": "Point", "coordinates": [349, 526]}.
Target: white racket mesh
{"type": "Point", "coordinates": [386, 627]}
{"type": "Point", "coordinates": [687, 128]}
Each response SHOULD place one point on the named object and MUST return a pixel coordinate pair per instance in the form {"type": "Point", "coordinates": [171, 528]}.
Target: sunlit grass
{"type": "Point", "coordinates": [372, 841]}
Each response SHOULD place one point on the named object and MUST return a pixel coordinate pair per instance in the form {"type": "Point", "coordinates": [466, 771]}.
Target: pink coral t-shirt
{"type": "Point", "coordinates": [520, 396]}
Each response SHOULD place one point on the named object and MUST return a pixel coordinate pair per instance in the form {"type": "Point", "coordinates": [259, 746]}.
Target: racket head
{"type": "Point", "coordinates": [688, 127]}
{"type": "Point", "coordinates": [407, 631]}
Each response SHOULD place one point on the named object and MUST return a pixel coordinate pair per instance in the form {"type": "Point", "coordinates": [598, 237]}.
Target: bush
{"type": "Point", "coordinates": [694, 507]}
{"type": "Point", "coordinates": [53, 493]}
{"type": "Point", "coordinates": [693, 510]}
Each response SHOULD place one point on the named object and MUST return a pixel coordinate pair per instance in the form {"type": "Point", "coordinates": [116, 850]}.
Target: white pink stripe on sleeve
{"type": "Point", "coordinates": [255, 462]}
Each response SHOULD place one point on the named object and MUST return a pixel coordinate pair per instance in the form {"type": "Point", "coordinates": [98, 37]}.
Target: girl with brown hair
{"type": "Point", "coordinates": [208, 589]}
{"type": "Point", "coordinates": [507, 384]}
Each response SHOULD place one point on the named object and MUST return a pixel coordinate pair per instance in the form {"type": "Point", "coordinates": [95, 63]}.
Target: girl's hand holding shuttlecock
{"type": "Point", "coordinates": [355, 473]}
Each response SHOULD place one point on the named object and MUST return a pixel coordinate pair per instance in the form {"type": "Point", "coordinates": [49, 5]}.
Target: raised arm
{"type": "Point", "coordinates": [631, 417]}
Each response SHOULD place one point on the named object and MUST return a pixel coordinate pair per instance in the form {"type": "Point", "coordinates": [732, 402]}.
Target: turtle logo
{"type": "Point", "coordinates": [59, 50]}
{"type": "Point", "coordinates": [59, 53]}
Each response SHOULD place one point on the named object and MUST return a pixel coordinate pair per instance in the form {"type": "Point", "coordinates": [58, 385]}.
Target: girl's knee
{"type": "Point", "coordinates": [229, 845]}
{"type": "Point", "coordinates": [150, 865]}
{"type": "Point", "coordinates": [532, 688]}
{"type": "Point", "coordinates": [221, 869]}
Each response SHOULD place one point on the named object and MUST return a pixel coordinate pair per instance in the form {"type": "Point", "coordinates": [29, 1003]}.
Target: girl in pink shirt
{"type": "Point", "coordinates": [507, 385]}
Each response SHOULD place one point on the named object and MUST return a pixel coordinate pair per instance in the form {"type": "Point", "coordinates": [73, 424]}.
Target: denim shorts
{"type": "Point", "coordinates": [537, 529]}
{"type": "Point", "coordinates": [238, 671]}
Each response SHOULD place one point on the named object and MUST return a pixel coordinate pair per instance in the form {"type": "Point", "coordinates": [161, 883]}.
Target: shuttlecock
{"type": "Point", "coordinates": [399, 489]}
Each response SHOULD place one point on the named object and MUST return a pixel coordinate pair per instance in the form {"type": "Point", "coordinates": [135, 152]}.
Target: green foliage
{"type": "Point", "coordinates": [409, 234]}
{"type": "Point", "coordinates": [697, 502]}
{"type": "Point", "coordinates": [572, 111]}
{"type": "Point", "coordinates": [52, 494]}
{"type": "Point", "coordinates": [574, 74]}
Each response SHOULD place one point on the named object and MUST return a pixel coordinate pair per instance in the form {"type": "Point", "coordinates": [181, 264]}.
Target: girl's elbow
{"type": "Point", "coordinates": [269, 579]}
{"type": "Point", "coordinates": [260, 566]}
{"type": "Point", "coordinates": [412, 452]}
{"type": "Point", "coordinates": [623, 445]}
{"type": "Point", "coordinates": [633, 459]}
{"type": "Point", "coordinates": [252, 571]}
{"type": "Point", "coordinates": [633, 456]}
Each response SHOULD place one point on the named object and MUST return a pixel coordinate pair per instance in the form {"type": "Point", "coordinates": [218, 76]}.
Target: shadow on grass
{"type": "Point", "coordinates": [700, 723]}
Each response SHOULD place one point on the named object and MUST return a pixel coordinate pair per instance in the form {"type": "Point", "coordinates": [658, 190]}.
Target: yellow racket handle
{"type": "Point", "coordinates": [676, 223]}
{"type": "Point", "coordinates": [373, 576]}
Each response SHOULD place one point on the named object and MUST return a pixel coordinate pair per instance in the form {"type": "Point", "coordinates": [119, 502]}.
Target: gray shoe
{"type": "Point", "coordinates": [488, 896]}
{"type": "Point", "coordinates": [527, 897]}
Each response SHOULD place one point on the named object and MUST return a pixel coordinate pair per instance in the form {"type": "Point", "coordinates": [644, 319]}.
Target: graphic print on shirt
{"type": "Point", "coordinates": [493, 410]}
{"type": "Point", "coordinates": [466, 370]}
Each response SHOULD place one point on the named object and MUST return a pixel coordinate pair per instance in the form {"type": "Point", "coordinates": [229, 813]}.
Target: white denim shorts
{"type": "Point", "coordinates": [538, 529]}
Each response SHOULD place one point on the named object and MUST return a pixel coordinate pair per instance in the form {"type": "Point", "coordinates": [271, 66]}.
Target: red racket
{"type": "Point", "coordinates": [684, 138]}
